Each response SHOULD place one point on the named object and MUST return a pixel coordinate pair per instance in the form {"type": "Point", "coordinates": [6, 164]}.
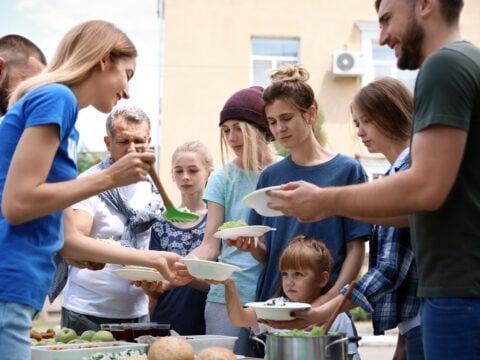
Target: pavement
{"type": "Point", "coordinates": [372, 347]}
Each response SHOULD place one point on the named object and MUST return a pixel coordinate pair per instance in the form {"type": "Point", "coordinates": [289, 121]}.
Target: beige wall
{"type": "Point", "coordinates": [207, 58]}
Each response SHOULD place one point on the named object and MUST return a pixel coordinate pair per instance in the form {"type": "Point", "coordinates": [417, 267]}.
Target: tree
{"type": "Point", "coordinates": [87, 158]}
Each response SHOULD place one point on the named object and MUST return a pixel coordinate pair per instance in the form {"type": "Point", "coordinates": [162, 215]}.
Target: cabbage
{"type": "Point", "coordinates": [232, 224]}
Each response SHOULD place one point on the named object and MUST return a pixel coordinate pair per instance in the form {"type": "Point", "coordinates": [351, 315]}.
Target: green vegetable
{"type": "Point", "coordinates": [294, 332]}
{"type": "Point", "coordinates": [316, 331]}
{"type": "Point", "coordinates": [232, 224]}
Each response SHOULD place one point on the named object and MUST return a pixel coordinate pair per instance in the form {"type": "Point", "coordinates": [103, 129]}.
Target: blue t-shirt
{"type": "Point", "coordinates": [227, 187]}
{"type": "Point", "coordinates": [27, 268]}
{"type": "Point", "coordinates": [334, 231]}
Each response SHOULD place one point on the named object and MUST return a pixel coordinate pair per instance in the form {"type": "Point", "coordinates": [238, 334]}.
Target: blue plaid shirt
{"type": "Point", "coordinates": [388, 290]}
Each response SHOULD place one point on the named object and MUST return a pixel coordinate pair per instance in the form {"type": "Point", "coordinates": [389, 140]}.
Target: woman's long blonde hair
{"type": "Point", "coordinates": [78, 53]}
{"type": "Point", "coordinates": [257, 153]}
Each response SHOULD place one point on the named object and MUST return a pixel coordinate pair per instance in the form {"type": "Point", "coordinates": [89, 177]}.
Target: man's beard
{"type": "Point", "coordinates": [410, 55]}
{"type": "Point", "coordinates": [4, 97]}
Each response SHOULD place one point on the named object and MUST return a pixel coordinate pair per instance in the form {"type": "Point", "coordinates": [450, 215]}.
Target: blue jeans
{"type": "Point", "coordinates": [451, 328]}
{"type": "Point", "coordinates": [414, 344]}
{"type": "Point", "coordinates": [15, 324]}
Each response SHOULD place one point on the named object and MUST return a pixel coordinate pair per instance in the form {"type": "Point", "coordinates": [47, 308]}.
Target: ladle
{"type": "Point", "coordinates": [171, 213]}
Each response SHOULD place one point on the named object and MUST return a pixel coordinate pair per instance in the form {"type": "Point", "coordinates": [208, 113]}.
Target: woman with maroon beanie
{"type": "Point", "coordinates": [244, 134]}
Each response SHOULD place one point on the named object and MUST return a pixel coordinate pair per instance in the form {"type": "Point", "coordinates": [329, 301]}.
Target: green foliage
{"type": "Point", "coordinates": [358, 314]}
{"type": "Point", "coordinates": [87, 158]}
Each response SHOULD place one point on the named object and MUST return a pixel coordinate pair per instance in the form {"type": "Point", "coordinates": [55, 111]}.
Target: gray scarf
{"type": "Point", "coordinates": [137, 222]}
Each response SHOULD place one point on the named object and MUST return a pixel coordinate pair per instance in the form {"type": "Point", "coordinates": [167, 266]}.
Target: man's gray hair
{"type": "Point", "coordinates": [128, 113]}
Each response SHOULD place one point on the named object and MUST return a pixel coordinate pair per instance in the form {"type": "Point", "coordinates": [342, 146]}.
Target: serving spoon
{"type": "Point", "coordinates": [330, 321]}
{"type": "Point", "coordinates": [171, 213]}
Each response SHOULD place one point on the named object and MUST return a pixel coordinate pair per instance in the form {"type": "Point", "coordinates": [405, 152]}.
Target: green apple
{"type": "Point", "coordinates": [65, 335]}
{"type": "Point", "coordinates": [103, 335]}
{"type": "Point", "coordinates": [46, 342]}
{"type": "Point", "coordinates": [87, 335]}
{"type": "Point", "coordinates": [77, 341]}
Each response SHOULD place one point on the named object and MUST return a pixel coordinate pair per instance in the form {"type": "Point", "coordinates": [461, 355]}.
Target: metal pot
{"type": "Point", "coordinates": [327, 347]}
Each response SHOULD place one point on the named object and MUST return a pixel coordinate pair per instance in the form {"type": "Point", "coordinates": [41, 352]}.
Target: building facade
{"type": "Point", "coordinates": [213, 48]}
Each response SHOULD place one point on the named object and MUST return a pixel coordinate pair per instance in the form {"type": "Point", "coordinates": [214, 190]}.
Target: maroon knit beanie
{"type": "Point", "coordinates": [246, 105]}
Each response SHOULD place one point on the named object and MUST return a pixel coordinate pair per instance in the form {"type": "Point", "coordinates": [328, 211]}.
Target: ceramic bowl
{"type": "Point", "coordinates": [211, 270]}
{"type": "Point", "coordinates": [276, 311]}
{"type": "Point", "coordinates": [259, 199]}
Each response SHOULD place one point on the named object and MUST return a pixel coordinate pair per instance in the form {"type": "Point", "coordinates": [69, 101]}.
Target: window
{"type": "Point", "coordinates": [270, 53]}
{"type": "Point", "coordinates": [381, 60]}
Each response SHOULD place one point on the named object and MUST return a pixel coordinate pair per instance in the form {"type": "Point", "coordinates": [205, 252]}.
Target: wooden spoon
{"type": "Point", "coordinates": [330, 321]}
{"type": "Point", "coordinates": [171, 213]}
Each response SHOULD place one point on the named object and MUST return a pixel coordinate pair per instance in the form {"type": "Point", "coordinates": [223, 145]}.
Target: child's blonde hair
{"type": "Point", "coordinates": [197, 147]}
{"type": "Point", "coordinates": [305, 253]}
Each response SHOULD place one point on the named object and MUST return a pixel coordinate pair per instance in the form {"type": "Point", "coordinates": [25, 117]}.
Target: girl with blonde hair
{"type": "Point", "coordinates": [38, 175]}
{"type": "Point", "coordinates": [305, 267]}
{"type": "Point", "coordinates": [183, 307]}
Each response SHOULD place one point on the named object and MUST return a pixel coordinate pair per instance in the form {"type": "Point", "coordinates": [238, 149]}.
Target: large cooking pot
{"type": "Point", "coordinates": [333, 346]}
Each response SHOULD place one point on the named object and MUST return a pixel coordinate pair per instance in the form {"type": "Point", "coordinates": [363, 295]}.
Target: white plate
{"type": "Point", "coordinates": [258, 200]}
{"type": "Point", "coordinates": [138, 274]}
{"type": "Point", "coordinates": [233, 233]}
{"type": "Point", "coordinates": [280, 311]}
{"type": "Point", "coordinates": [210, 270]}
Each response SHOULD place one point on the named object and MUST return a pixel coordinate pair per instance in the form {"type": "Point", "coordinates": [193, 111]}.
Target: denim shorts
{"type": "Point", "coordinates": [15, 324]}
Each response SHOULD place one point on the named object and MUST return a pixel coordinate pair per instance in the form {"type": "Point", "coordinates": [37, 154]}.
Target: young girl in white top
{"type": "Point", "coordinates": [305, 267]}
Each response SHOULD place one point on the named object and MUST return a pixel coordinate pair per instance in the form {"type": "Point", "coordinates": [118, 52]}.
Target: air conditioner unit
{"type": "Point", "coordinates": [348, 63]}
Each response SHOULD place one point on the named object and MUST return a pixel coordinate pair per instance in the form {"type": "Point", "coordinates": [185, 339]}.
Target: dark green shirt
{"type": "Point", "coordinates": [446, 242]}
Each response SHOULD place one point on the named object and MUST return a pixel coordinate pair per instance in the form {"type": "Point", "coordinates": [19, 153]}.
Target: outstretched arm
{"type": "Point", "coordinates": [436, 154]}
{"type": "Point", "coordinates": [254, 245]}
{"type": "Point", "coordinates": [210, 247]}
{"type": "Point", "coordinates": [239, 316]}
{"type": "Point", "coordinates": [81, 247]}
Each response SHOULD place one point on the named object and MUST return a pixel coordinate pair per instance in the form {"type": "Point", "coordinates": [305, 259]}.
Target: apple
{"type": "Point", "coordinates": [87, 335]}
{"type": "Point", "coordinates": [46, 342]}
{"type": "Point", "coordinates": [77, 341]}
{"type": "Point", "coordinates": [65, 335]}
{"type": "Point", "coordinates": [103, 335]}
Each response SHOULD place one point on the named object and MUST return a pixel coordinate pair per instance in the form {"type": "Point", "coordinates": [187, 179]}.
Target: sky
{"type": "Point", "coordinates": [46, 21]}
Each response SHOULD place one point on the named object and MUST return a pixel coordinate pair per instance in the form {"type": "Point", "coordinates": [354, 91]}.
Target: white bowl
{"type": "Point", "coordinates": [258, 200]}
{"type": "Point", "coordinates": [210, 270]}
{"type": "Point", "coordinates": [279, 311]}
{"type": "Point", "coordinates": [234, 233]}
